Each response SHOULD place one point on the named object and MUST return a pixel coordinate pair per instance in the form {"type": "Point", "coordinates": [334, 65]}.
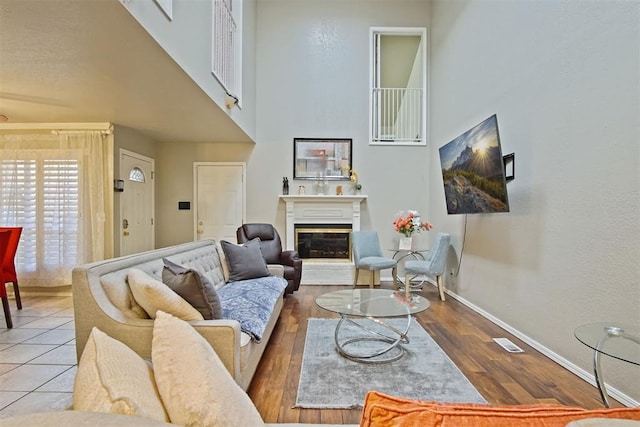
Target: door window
{"type": "Point", "coordinates": [137, 175]}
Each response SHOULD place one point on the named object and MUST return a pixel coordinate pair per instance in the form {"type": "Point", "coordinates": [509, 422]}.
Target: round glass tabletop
{"type": "Point", "coordinates": [372, 302]}
{"type": "Point", "coordinates": [617, 340]}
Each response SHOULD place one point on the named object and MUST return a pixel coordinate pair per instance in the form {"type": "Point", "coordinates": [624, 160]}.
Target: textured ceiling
{"type": "Point", "coordinates": [90, 61]}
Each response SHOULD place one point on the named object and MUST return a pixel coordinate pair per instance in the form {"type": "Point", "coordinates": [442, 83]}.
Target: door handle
{"type": "Point", "coordinates": [125, 224]}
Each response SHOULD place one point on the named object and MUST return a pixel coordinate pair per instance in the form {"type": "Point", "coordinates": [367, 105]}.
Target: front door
{"type": "Point", "coordinates": [136, 203]}
{"type": "Point", "coordinates": [220, 209]}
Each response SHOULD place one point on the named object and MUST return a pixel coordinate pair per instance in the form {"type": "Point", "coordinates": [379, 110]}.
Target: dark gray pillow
{"type": "Point", "coordinates": [194, 288]}
{"type": "Point", "coordinates": [246, 261]}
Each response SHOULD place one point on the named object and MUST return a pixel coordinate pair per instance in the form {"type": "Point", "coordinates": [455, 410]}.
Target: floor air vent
{"type": "Point", "coordinates": [508, 345]}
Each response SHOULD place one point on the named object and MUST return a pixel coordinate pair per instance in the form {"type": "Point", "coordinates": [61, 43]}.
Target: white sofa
{"type": "Point", "coordinates": [102, 298]}
{"type": "Point", "coordinates": [92, 419]}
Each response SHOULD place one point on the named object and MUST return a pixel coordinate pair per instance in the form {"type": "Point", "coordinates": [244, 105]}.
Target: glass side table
{"type": "Point", "coordinates": [616, 340]}
{"type": "Point", "coordinates": [416, 254]}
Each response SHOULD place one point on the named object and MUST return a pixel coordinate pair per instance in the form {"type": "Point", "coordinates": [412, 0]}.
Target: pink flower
{"type": "Point", "coordinates": [408, 222]}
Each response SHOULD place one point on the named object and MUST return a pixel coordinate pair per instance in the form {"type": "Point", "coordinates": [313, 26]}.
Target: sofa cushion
{"type": "Point", "coordinates": [153, 295]}
{"type": "Point", "coordinates": [204, 260]}
{"type": "Point", "coordinates": [244, 261]}
{"type": "Point", "coordinates": [382, 410]}
{"type": "Point", "coordinates": [80, 418]}
{"type": "Point", "coordinates": [113, 378]}
{"type": "Point", "coordinates": [195, 386]}
{"type": "Point", "coordinates": [194, 288]}
{"type": "Point", "coordinates": [116, 289]}
{"type": "Point", "coordinates": [223, 262]}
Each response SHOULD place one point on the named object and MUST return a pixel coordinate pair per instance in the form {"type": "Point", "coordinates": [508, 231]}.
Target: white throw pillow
{"type": "Point", "coordinates": [153, 295]}
{"type": "Point", "coordinates": [223, 262]}
{"type": "Point", "coordinates": [113, 378]}
{"type": "Point", "coordinates": [195, 386]}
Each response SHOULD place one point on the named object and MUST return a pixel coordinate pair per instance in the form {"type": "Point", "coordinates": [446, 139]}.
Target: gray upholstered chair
{"type": "Point", "coordinates": [367, 255]}
{"type": "Point", "coordinates": [434, 264]}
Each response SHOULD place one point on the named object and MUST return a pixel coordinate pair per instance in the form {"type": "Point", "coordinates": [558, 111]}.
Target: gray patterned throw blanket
{"type": "Point", "coordinates": [251, 303]}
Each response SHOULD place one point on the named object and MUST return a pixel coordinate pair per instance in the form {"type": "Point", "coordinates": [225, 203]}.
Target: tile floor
{"type": "Point", "coordinates": [37, 356]}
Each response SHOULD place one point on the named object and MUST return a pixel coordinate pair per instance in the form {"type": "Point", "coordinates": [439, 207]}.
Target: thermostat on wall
{"type": "Point", "coordinates": [184, 206]}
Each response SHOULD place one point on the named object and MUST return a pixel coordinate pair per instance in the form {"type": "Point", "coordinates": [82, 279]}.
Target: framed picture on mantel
{"type": "Point", "coordinates": [322, 158]}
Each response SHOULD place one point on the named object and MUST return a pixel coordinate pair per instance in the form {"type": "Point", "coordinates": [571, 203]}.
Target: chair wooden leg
{"type": "Point", "coordinates": [440, 287]}
{"type": "Point", "coordinates": [407, 280]}
{"type": "Point", "coordinates": [16, 292]}
{"type": "Point", "coordinates": [373, 278]}
{"type": "Point", "coordinates": [394, 273]}
{"type": "Point", "coordinates": [355, 280]}
{"type": "Point", "coordinates": [7, 312]}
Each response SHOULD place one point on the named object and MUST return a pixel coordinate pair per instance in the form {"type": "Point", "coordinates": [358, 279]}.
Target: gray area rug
{"type": "Point", "coordinates": [425, 372]}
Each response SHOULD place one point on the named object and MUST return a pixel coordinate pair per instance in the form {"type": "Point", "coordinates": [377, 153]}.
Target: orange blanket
{"type": "Point", "coordinates": [381, 410]}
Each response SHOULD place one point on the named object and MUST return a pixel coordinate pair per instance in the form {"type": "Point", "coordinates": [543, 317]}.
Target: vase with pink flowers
{"type": "Point", "coordinates": [406, 223]}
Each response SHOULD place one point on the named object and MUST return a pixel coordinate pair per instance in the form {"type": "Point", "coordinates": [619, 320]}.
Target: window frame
{"type": "Point", "coordinates": [374, 71]}
{"type": "Point", "coordinates": [34, 237]}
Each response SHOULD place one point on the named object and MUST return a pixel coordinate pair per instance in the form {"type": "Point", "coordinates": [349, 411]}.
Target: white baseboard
{"type": "Point", "coordinates": [570, 366]}
{"type": "Point", "coordinates": [62, 291]}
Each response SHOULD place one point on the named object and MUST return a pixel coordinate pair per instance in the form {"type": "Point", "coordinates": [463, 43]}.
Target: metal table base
{"type": "Point", "coordinates": [390, 343]}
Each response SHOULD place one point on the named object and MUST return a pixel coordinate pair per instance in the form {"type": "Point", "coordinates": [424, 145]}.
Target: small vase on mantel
{"type": "Point", "coordinates": [405, 243]}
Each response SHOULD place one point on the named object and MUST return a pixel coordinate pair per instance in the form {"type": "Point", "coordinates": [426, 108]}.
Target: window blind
{"type": "Point", "coordinates": [40, 192]}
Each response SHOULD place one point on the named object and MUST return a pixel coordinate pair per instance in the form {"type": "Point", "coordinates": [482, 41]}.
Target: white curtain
{"type": "Point", "coordinates": [58, 188]}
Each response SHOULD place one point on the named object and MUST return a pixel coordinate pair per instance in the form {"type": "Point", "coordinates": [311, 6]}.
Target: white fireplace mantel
{"type": "Point", "coordinates": [307, 209]}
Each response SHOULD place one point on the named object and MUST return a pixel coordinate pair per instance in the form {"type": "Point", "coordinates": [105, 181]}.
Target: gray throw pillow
{"type": "Point", "coordinates": [194, 288]}
{"type": "Point", "coordinates": [246, 261]}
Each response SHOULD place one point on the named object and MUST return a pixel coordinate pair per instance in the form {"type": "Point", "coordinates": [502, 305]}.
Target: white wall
{"type": "Point", "coordinates": [174, 183]}
{"type": "Point", "coordinates": [563, 80]}
{"type": "Point", "coordinates": [312, 81]}
{"type": "Point", "coordinates": [187, 39]}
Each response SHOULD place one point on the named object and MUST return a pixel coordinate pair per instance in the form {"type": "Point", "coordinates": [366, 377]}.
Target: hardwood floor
{"type": "Point", "coordinates": [502, 378]}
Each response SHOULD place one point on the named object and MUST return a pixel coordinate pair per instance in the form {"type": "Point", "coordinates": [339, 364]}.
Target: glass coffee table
{"type": "Point", "coordinates": [613, 339]}
{"type": "Point", "coordinates": [368, 310]}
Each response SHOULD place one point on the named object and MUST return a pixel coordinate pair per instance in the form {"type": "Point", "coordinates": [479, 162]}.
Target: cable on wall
{"type": "Point", "coordinates": [464, 237]}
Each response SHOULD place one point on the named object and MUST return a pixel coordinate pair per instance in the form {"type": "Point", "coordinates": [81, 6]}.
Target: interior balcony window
{"type": "Point", "coordinates": [226, 55]}
{"type": "Point", "coordinates": [398, 86]}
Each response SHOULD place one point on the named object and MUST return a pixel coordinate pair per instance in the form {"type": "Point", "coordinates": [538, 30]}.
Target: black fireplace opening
{"type": "Point", "coordinates": [323, 241]}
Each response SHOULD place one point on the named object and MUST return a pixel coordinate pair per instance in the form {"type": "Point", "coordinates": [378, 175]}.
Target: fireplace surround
{"type": "Point", "coordinates": [327, 211]}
